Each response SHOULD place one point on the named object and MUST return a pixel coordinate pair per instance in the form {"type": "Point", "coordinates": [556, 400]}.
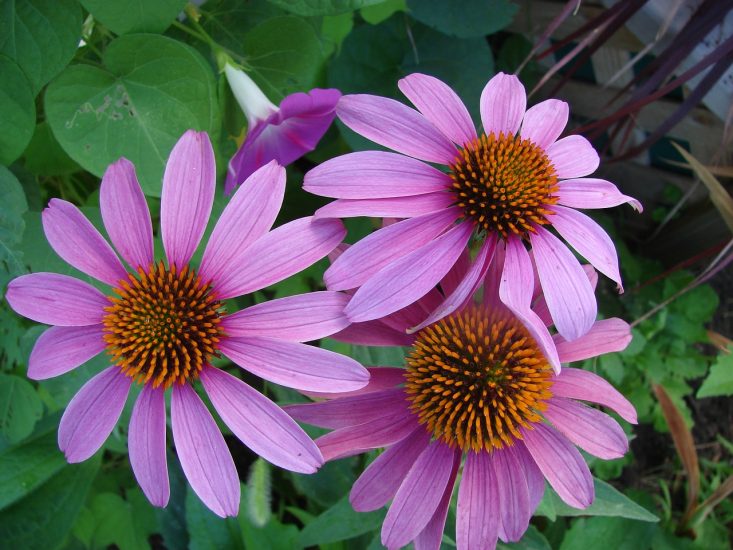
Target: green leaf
{"type": "Point", "coordinates": [44, 155]}
{"type": "Point", "coordinates": [284, 54]}
{"type": "Point", "coordinates": [20, 408]}
{"type": "Point", "coordinates": [43, 518]}
{"type": "Point", "coordinates": [137, 16]}
{"type": "Point", "coordinates": [273, 536]}
{"type": "Point", "coordinates": [322, 7]}
{"type": "Point", "coordinates": [374, 58]}
{"type": "Point", "coordinates": [372, 356]}
{"type": "Point", "coordinates": [152, 90]}
{"type": "Point", "coordinates": [259, 493]}
{"type": "Point", "coordinates": [28, 465]}
{"type": "Point", "coordinates": [531, 540]}
{"type": "Point", "coordinates": [720, 379]}
{"type": "Point", "coordinates": [329, 484]}
{"type": "Point", "coordinates": [334, 29]}
{"type": "Point", "coordinates": [340, 522]}
{"type": "Point", "coordinates": [12, 227]}
{"type": "Point", "coordinates": [17, 111]}
{"type": "Point", "coordinates": [206, 529]}
{"type": "Point", "coordinates": [616, 533]}
{"type": "Point", "coordinates": [473, 18]}
{"type": "Point", "coordinates": [116, 524]}
{"type": "Point", "coordinates": [380, 12]}
{"type": "Point", "coordinates": [40, 35]}
{"type": "Point", "coordinates": [608, 502]}
{"type": "Point", "coordinates": [228, 21]}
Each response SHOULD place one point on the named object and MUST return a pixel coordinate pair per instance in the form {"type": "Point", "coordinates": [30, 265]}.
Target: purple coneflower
{"type": "Point", "coordinates": [513, 181]}
{"type": "Point", "coordinates": [283, 133]}
{"type": "Point", "coordinates": [476, 385]}
{"type": "Point", "coordinates": [163, 322]}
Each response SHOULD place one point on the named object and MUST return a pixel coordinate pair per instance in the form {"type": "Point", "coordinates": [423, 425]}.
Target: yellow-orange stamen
{"type": "Point", "coordinates": [475, 377]}
{"type": "Point", "coordinates": [163, 325]}
{"type": "Point", "coordinates": [504, 183]}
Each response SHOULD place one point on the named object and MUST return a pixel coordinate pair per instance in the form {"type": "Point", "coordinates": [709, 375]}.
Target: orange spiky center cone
{"type": "Point", "coordinates": [504, 183]}
{"type": "Point", "coordinates": [476, 377]}
{"type": "Point", "coordinates": [163, 326]}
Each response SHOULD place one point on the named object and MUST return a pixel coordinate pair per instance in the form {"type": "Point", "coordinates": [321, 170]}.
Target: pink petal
{"type": "Point", "coordinates": [77, 241]}
{"type": "Point", "coordinates": [573, 157]}
{"type": "Point", "coordinates": [565, 285]}
{"type": "Point", "coordinates": [503, 102]}
{"type": "Point", "coordinates": [126, 215]}
{"type": "Point", "coordinates": [534, 478]}
{"type": "Point", "coordinates": [371, 254]}
{"type": "Point", "coordinates": [409, 278]}
{"type": "Point", "coordinates": [515, 291]}
{"type": "Point", "coordinates": [281, 253]}
{"type": "Point", "coordinates": [248, 216]}
{"type": "Point", "coordinates": [589, 239]}
{"type": "Point", "coordinates": [587, 386]}
{"type": "Point", "coordinates": [92, 414]}
{"type": "Point", "coordinates": [512, 494]}
{"type": "Point", "coordinates": [419, 495]}
{"type": "Point", "coordinates": [477, 514]}
{"type": "Point", "coordinates": [605, 336]}
{"type": "Point", "coordinates": [431, 537]}
{"type": "Point", "coordinates": [457, 273]}
{"type": "Point", "coordinates": [299, 318]}
{"type": "Point", "coordinates": [561, 464]}
{"type": "Point", "coordinates": [466, 288]}
{"type": "Point", "coordinates": [440, 105]}
{"type": "Point", "coordinates": [380, 378]}
{"type": "Point", "coordinates": [593, 193]}
{"type": "Point", "coordinates": [383, 477]}
{"type": "Point", "coordinates": [56, 299]}
{"type": "Point", "coordinates": [398, 207]}
{"type": "Point", "coordinates": [353, 410]}
{"type": "Point", "coordinates": [373, 333]}
{"type": "Point", "coordinates": [409, 316]}
{"type": "Point", "coordinates": [591, 430]}
{"type": "Point", "coordinates": [260, 424]}
{"type": "Point", "coordinates": [189, 182]}
{"type": "Point", "coordinates": [544, 122]}
{"type": "Point", "coordinates": [396, 126]}
{"type": "Point", "coordinates": [61, 349]}
{"type": "Point", "coordinates": [382, 432]}
{"type": "Point", "coordinates": [540, 304]}
{"type": "Point", "coordinates": [204, 455]}
{"type": "Point", "coordinates": [146, 445]}
{"type": "Point", "coordinates": [296, 365]}
{"type": "Point", "coordinates": [374, 175]}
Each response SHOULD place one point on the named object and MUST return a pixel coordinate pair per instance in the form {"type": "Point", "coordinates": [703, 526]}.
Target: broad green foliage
{"type": "Point", "coordinates": [720, 379]}
{"type": "Point", "coordinates": [322, 7]}
{"type": "Point", "coordinates": [151, 90]}
{"type": "Point", "coordinates": [284, 54]}
{"type": "Point", "coordinates": [474, 18]}
{"type": "Point", "coordinates": [40, 35]}
{"type": "Point", "coordinates": [12, 226]}
{"type": "Point", "coordinates": [17, 110]}
{"type": "Point", "coordinates": [608, 502]}
{"type": "Point", "coordinates": [135, 16]}
{"type": "Point", "coordinates": [20, 408]}
{"type": "Point", "coordinates": [45, 516]}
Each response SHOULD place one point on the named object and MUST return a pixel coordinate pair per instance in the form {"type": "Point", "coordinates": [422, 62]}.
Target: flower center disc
{"type": "Point", "coordinates": [504, 183]}
{"type": "Point", "coordinates": [474, 377]}
{"type": "Point", "coordinates": [164, 326]}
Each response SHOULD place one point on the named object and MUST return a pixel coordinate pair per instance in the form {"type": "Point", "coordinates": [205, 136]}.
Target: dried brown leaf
{"type": "Point", "coordinates": [685, 445]}
{"type": "Point", "coordinates": [720, 197]}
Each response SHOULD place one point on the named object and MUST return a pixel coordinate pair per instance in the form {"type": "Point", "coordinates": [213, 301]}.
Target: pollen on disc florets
{"type": "Point", "coordinates": [163, 326]}
{"type": "Point", "coordinates": [475, 377]}
{"type": "Point", "coordinates": [504, 183]}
